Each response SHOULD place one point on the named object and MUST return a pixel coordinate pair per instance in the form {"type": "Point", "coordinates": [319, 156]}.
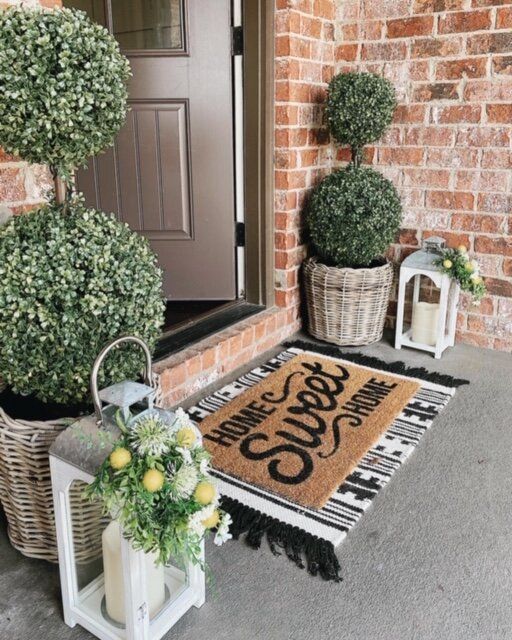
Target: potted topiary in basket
{"type": "Point", "coordinates": [71, 278]}
{"type": "Point", "coordinates": [353, 217]}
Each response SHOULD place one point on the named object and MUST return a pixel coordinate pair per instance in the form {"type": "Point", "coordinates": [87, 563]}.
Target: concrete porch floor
{"type": "Point", "coordinates": [430, 560]}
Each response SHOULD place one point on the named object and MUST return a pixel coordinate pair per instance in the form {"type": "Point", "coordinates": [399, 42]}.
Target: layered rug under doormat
{"type": "Point", "coordinates": [302, 444]}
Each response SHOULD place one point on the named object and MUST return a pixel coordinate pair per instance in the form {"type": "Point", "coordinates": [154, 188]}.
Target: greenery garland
{"type": "Point", "coordinates": [156, 483]}
{"type": "Point", "coordinates": [457, 264]}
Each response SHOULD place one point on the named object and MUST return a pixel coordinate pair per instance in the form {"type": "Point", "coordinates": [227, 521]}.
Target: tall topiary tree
{"type": "Point", "coordinates": [355, 212]}
{"type": "Point", "coordinates": [71, 278]}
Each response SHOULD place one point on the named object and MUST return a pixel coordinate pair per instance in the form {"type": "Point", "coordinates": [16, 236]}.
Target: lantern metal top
{"type": "Point", "coordinates": [426, 257]}
{"type": "Point", "coordinates": [124, 394]}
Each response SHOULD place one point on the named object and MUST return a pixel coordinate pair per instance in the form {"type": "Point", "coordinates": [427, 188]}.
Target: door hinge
{"type": "Point", "coordinates": [240, 234]}
{"type": "Point", "coordinates": [237, 41]}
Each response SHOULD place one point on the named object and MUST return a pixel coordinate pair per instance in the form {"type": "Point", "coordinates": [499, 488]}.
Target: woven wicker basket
{"type": "Point", "coordinates": [347, 306]}
{"type": "Point", "coordinates": [26, 493]}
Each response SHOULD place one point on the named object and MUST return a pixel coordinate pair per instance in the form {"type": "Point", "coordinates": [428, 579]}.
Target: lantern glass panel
{"type": "Point", "coordinates": [87, 524]}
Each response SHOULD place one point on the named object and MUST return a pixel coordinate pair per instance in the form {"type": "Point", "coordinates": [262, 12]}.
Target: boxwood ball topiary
{"type": "Point", "coordinates": [71, 279]}
{"type": "Point", "coordinates": [359, 107]}
{"type": "Point", "coordinates": [62, 86]}
{"type": "Point", "coordinates": [354, 215]}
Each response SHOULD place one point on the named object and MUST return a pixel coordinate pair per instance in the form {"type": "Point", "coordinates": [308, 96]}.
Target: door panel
{"type": "Point", "coordinates": [170, 174]}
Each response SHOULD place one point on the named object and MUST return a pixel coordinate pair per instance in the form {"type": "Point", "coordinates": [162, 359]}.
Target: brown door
{"type": "Point", "coordinates": [170, 174]}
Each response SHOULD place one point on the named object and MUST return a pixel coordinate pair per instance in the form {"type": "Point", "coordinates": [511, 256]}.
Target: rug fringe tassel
{"type": "Point", "coordinates": [370, 361]}
{"type": "Point", "coordinates": [299, 545]}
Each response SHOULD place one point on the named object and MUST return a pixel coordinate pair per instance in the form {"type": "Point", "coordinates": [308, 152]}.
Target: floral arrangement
{"type": "Point", "coordinates": [156, 482]}
{"type": "Point", "coordinates": [457, 264]}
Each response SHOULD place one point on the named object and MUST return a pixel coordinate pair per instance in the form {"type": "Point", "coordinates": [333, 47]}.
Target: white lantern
{"type": "Point", "coordinates": [122, 594]}
{"type": "Point", "coordinates": [433, 324]}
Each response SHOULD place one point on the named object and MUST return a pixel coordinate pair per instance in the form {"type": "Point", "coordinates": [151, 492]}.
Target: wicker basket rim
{"type": "Point", "coordinates": [314, 261]}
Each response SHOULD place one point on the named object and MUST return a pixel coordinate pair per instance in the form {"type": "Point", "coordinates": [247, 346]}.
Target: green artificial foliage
{"type": "Point", "coordinates": [359, 108]}
{"type": "Point", "coordinates": [72, 279]}
{"type": "Point", "coordinates": [354, 215]}
{"type": "Point", "coordinates": [62, 87]}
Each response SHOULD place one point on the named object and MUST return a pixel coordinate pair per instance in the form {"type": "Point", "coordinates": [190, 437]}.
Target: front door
{"type": "Point", "coordinates": [170, 175]}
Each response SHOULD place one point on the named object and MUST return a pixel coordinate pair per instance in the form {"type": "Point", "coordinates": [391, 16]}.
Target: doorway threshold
{"type": "Point", "coordinates": [209, 323]}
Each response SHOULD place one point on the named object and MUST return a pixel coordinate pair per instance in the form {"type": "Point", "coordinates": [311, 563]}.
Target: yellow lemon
{"type": "Point", "coordinates": [204, 493]}
{"type": "Point", "coordinates": [211, 521]}
{"type": "Point", "coordinates": [119, 458]}
{"type": "Point", "coordinates": [186, 437]}
{"type": "Point", "coordinates": [462, 249]}
{"type": "Point", "coordinates": [469, 267]}
{"type": "Point", "coordinates": [447, 264]}
{"type": "Point", "coordinates": [153, 480]}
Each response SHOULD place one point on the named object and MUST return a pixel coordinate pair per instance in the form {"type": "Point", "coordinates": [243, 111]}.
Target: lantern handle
{"type": "Point", "coordinates": [99, 361]}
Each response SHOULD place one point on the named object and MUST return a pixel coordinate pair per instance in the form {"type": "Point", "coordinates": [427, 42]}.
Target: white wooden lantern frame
{"type": "Point", "coordinates": [73, 459]}
{"type": "Point", "coordinates": [421, 263]}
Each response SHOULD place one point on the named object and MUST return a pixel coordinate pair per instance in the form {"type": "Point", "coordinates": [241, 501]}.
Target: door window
{"type": "Point", "coordinates": [139, 25]}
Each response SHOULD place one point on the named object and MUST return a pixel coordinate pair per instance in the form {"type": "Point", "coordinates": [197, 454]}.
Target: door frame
{"type": "Point", "coordinates": [258, 29]}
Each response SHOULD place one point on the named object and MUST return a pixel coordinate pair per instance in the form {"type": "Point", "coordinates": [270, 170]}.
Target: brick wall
{"type": "Point", "coordinates": [449, 149]}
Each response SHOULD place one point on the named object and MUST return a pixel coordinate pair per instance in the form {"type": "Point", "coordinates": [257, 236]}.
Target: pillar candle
{"type": "Point", "coordinates": [425, 316]}
{"type": "Point", "coordinates": [113, 576]}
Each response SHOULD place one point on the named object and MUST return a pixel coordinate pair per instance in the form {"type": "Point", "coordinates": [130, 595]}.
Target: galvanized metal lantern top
{"type": "Point", "coordinates": [426, 257]}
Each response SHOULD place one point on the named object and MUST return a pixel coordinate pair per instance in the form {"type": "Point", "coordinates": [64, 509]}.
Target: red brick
{"type": "Point", "coordinates": [486, 43]}
{"type": "Point", "coordinates": [501, 245]}
{"type": "Point", "coordinates": [507, 267]}
{"type": "Point", "coordinates": [450, 200]}
{"type": "Point", "coordinates": [498, 287]}
{"type": "Point", "coordinates": [477, 223]}
{"type": "Point", "coordinates": [12, 187]}
{"type": "Point", "coordinates": [483, 137]}
{"type": "Point", "coordinates": [346, 52]}
{"type": "Point", "coordinates": [371, 30]}
{"type": "Point", "coordinates": [434, 6]}
{"type": "Point", "coordinates": [496, 159]}
{"type": "Point", "coordinates": [455, 158]}
{"type": "Point", "coordinates": [456, 113]}
{"type": "Point", "coordinates": [408, 237]}
{"type": "Point", "coordinates": [384, 51]}
{"type": "Point", "coordinates": [494, 202]}
{"type": "Point", "coordinates": [457, 69]}
{"type": "Point", "coordinates": [500, 113]}
{"type": "Point", "coordinates": [436, 91]}
{"type": "Point", "coordinates": [452, 239]}
{"type": "Point", "coordinates": [410, 114]}
{"type": "Point", "coordinates": [324, 9]}
{"type": "Point", "coordinates": [464, 21]}
{"type": "Point", "coordinates": [487, 3]}
{"type": "Point", "coordinates": [401, 156]}
{"type": "Point", "coordinates": [504, 18]}
{"type": "Point", "coordinates": [407, 27]}
{"type": "Point", "coordinates": [436, 47]}
{"type": "Point", "coordinates": [502, 65]}
{"type": "Point", "coordinates": [431, 178]}
{"type": "Point", "coordinates": [482, 324]}
{"type": "Point", "coordinates": [474, 339]}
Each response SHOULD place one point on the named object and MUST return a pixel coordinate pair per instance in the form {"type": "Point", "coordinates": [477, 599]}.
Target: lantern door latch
{"type": "Point", "coordinates": [240, 234]}
{"type": "Point", "coordinates": [237, 41]}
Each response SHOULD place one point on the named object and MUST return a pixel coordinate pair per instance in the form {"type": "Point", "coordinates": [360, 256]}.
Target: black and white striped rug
{"type": "Point", "coordinates": [309, 536]}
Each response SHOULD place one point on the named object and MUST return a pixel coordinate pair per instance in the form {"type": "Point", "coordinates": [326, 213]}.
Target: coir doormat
{"type": "Point", "coordinates": [302, 444]}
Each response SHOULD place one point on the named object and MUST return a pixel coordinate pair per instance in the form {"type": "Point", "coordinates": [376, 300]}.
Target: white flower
{"type": "Point", "coordinates": [222, 535]}
{"type": "Point", "coordinates": [185, 454]}
{"type": "Point", "coordinates": [184, 481]}
{"type": "Point", "coordinates": [204, 467]}
{"type": "Point", "coordinates": [181, 419]}
{"type": "Point", "coordinates": [150, 436]}
{"type": "Point", "coordinates": [195, 522]}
